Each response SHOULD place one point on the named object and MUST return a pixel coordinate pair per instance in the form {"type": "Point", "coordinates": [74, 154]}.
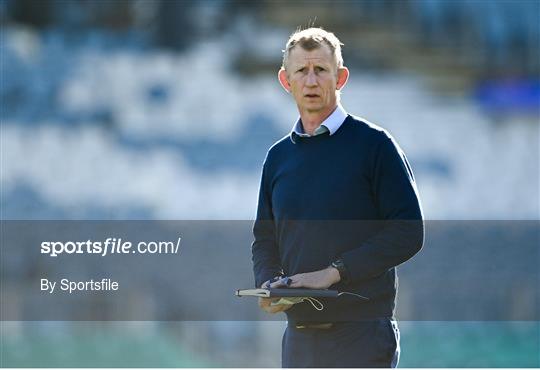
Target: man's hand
{"type": "Point", "coordinates": [321, 279]}
{"type": "Point", "coordinates": [266, 303]}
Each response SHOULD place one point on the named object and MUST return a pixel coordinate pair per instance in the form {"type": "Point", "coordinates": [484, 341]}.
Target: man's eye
{"type": "Point", "coordinates": [319, 69]}
{"type": "Point", "coordinates": [301, 69]}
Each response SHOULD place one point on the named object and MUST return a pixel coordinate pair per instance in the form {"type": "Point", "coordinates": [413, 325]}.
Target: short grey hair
{"type": "Point", "coordinates": [312, 38]}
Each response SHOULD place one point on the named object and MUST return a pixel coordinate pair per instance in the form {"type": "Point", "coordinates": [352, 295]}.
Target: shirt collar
{"type": "Point", "coordinates": [331, 124]}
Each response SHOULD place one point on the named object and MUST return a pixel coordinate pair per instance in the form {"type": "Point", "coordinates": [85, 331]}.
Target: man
{"type": "Point", "coordinates": [338, 208]}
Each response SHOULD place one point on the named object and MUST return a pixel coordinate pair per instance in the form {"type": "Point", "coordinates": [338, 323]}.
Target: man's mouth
{"type": "Point", "coordinates": [311, 96]}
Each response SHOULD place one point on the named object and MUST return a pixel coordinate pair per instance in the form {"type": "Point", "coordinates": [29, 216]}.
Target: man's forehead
{"type": "Point", "coordinates": [311, 59]}
{"type": "Point", "coordinates": [319, 52]}
{"type": "Point", "coordinates": [306, 57]}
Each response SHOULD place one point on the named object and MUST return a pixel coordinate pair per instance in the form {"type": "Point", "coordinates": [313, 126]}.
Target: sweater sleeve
{"type": "Point", "coordinates": [265, 253]}
{"type": "Point", "coordinates": [402, 232]}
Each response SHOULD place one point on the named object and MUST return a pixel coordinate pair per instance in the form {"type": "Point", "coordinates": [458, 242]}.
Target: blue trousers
{"type": "Point", "coordinates": [373, 343]}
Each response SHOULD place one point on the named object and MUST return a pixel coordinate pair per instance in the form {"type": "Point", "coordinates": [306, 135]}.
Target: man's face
{"type": "Point", "coordinates": [312, 79]}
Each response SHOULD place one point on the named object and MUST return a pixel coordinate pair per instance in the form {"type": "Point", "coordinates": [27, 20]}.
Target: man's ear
{"type": "Point", "coordinates": [282, 76]}
{"type": "Point", "coordinates": [343, 77]}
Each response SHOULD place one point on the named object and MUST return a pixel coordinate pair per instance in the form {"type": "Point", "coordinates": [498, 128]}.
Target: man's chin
{"type": "Point", "coordinates": [313, 108]}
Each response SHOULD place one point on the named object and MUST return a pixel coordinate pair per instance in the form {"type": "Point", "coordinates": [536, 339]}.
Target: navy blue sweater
{"type": "Point", "coordinates": [350, 195]}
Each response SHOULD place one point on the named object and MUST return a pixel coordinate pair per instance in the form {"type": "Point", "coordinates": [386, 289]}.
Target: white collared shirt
{"type": "Point", "coordinates": [332, 123]}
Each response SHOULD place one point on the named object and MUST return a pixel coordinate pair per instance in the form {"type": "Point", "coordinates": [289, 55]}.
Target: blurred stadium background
{"type": "Point", "coordinates": [165, 109]}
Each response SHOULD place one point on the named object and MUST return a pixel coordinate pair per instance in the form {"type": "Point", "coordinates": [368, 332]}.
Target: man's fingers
{"type": "Point", "coordinates": [277, 284]}
{"type": "Point", "coordinates": [265, 304]}
{"type": "Point", "coordinates": [283, 282]}
{"type": "Point", "coordinates": [278, 308]}
{"type": "Point", "coordinates": [297, 281]}
{"type": "Point", "coordinates": [296, 284]}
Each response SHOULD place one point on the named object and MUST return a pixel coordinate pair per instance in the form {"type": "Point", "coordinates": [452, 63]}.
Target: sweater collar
{"type": "Point", "coordinates": [331, 124]}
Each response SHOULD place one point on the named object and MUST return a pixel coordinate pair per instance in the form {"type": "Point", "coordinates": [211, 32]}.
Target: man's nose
{"type": "Point", "coordinates": [311, 79]}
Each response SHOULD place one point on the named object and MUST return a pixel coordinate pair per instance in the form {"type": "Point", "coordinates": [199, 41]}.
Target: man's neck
{"type": "Point", "coordinates": [312, 120]}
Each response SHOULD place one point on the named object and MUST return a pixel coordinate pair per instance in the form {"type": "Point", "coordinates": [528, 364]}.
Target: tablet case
{"type": "Point", "coordinates": [287, 292]}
